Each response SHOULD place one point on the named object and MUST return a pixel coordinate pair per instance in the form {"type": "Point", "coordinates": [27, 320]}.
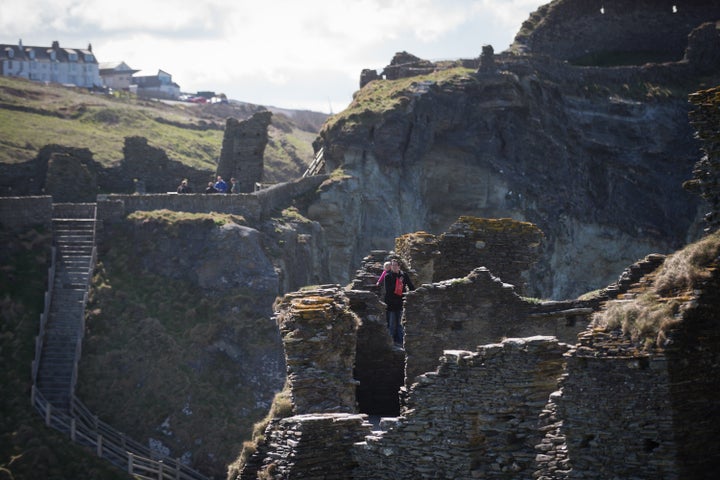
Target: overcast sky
{"type": "Point", "coordinates": [298, 54]}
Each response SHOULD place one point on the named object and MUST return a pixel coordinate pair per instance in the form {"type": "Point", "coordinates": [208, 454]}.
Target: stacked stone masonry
{"type": "Point", "coordinates": [506, 247]}
{"type": "Point", "coordinates": [17, 213]}
{"type": "Point", "coordinates": [475, 417]}
{"type": "Point", "coordinates": [319, 336]}
{"type": "Point", "coordinates": [706, 121]}
{"type": "Point", "coordinates": [313, 447]}
{"type": "Point", "coordinates": [242, 150]}
{"type": "Point", "coordinates": [530, 407]}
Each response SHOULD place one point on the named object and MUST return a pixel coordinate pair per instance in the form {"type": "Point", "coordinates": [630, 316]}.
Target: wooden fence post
{"type": "Point", "coordinates": [160, 470]}
{"type": "Point", "coordinates": [99, 445]}
{"type": "Point", "coordinates": [72, 429]}
{"type": "Point", "coordinates": [130, 463]}
{"type": "Point", "coordinates": [48, 413]}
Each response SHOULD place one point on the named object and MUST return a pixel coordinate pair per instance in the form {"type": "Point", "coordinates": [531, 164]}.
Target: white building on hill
{"type": "Point", "coordinates": [117, 75]}
{"type": "Point", "coordinates": [74, 66]}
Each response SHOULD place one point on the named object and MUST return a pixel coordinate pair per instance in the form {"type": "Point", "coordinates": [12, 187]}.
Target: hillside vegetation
{"type": "Point", "coordinates": [33, 115]}
{"type": "Point", "coordinates": [28, 449]}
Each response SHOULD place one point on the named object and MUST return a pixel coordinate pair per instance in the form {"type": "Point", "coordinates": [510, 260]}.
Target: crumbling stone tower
{"type": "Point", "coordinates": [242, 150]}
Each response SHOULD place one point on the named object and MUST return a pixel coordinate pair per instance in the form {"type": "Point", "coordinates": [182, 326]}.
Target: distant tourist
{"type": "Point", "coordinates": [210, 188]}
{"type": "Point", "coordinates": [184, 187]}
{"type": "Point", "coordinates": [220, 185]}
{"type": "Point", "coordinates": [396, 282]}
{"type": "Point", "coordinates": [234, 186]}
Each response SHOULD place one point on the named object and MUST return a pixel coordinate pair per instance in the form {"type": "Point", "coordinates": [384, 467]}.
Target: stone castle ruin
{"type": "Point", "coordinates": [242, 150]}
{"type": "Point", "coordinates": [489, 384]}
{"type": "Point", "coordinates": [595, 33]}
{"type": "Point", "coordinates": [71, 174]}
{"type": "Point", "coordinates": [617, 32]}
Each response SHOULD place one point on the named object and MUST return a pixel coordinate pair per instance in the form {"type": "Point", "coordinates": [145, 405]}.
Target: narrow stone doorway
{"type": "Point", "coordinates": [380, 371]}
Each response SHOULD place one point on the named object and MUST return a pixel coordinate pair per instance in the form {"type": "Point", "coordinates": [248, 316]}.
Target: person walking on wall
{"type": "Point", "coordinates": [396, 282]}
{"type": "Point", "coordinates": [220, 185]}
{"type": "Point", "coordinates": [184, 187]}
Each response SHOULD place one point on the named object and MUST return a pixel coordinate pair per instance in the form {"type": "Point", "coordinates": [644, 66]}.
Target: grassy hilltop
{"type": "Point", "coordinates": [33, 115]}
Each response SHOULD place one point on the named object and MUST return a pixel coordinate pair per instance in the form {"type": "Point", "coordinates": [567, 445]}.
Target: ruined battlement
{"type": "Point", "coordinates": [588, 32]}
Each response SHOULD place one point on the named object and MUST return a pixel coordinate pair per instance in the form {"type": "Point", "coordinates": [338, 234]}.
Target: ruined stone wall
{"type": "Point", "coordinates": [404, 64]}
{"type": "Point", "coordinates": [507, 247]}
{"type": "Point", "coordinates": [628, 412]}
{"type": "Point", "coordinates": [693, 353]}
{"type": "Point", "coordinates": [568, 29]}
{"type": "Point", "coordinates": [476, 417]}
{"type": "Point", "coordinates": [71, 174]}
{"type": "Point", "coordinates": [460, 314]}
{"type": "Point", "coordinates": [706, 121]}
{"type": "Point", "coordinates": [617, 415]}
{"type": "Point", "coordinates": [253, 206]}
{"type": "Point", "coordinates": [319, 336]}
{"type": "Point", "coordinates": [150, 166]}
{"type": "Point", "coordinates": [309, 446]}
{"type": "Point", "coordinates": [242, 150]}
{"type": "Point", "coordinates": [20, 212]}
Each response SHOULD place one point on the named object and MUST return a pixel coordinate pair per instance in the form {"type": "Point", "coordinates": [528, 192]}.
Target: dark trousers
{"type": "Point", "coordinates": [394, 325]}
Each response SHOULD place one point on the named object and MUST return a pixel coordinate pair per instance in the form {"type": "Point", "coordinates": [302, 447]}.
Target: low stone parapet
{"type": "Point", "coordinates": [20, 212]}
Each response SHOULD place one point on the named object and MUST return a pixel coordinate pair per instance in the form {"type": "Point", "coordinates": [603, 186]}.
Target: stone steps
{"type": "Point", "coordinates": [74, 240]}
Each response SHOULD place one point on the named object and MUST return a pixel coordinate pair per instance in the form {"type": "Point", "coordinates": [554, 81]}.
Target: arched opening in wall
{"type": "Point", "coordinates": [602, 10]}
{"type": "Point", "coordinates": [674, 9]}
{"type": "Point", "coordinates": [379, 370]}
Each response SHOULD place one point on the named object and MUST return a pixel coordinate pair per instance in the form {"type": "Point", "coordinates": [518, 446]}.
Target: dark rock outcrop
{"type": "Point", "coordinates": [625, 31]}
{"type": "Point", "coordinates": [595, 157]}
{"type": "Point", "coordinates": [706, 120]}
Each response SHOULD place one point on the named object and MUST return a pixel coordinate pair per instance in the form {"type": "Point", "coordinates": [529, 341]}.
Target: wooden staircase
{"type": "Point", "coordinates": [74, 241]}
{"type": "Point", "coordinates": [317, 165]}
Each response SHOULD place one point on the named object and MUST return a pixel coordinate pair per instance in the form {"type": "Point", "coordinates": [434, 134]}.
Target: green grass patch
{"type": "Point", "coordinates": [172, 217]}
{"type": "Point", "coordinates": [647, 318]}
{"type": "Point", "coordinates": [33, 115]}
{"type": "Point", "coordinates": [380, 96]}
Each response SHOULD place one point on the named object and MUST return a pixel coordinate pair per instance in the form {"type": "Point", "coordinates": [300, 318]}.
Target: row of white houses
{"type": "Point", "coordinates": [80, 67]}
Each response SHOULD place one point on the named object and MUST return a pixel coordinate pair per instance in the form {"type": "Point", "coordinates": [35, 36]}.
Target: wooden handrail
{"type": "Point", "coordinates": [39, 340]}
{"type": "Point", "coordinates": [316, 164]}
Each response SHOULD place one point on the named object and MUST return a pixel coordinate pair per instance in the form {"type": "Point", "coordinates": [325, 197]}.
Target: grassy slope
{"type": "Point", "coordinates": [33, 115]}
{"type": "Point", "coordinates": [28, 449]}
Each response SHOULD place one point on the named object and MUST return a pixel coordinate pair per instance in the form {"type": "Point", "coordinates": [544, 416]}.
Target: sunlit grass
{"type": "Point", "coordinates": [646, 318]}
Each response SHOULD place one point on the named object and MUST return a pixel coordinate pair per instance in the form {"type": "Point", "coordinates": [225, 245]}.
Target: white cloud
{"type": "Point", "coordinates": [276, 52]}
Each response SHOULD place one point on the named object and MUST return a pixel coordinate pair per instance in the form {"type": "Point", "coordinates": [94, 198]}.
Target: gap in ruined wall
{"type": "Point", "coordinates": [380, 371]}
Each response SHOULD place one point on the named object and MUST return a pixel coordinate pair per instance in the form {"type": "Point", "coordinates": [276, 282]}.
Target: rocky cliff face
{"type": "Point", "coordinates": [594, 156]}
{"type": "Point", "coordinates": [180, 331]}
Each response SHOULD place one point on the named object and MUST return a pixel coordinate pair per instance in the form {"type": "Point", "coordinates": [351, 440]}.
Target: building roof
{"type": "Point", "coordinates": [21, 52]}
{"type": "Point", "coordinates": [116, 67]}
